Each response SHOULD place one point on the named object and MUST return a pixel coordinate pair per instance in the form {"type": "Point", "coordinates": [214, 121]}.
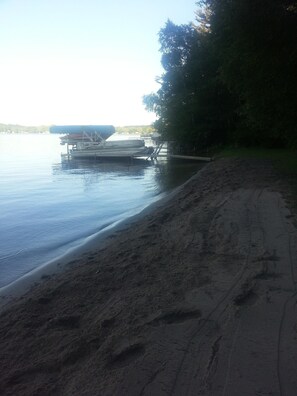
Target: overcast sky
{"type": "Point", "coordinates": [82, 61]}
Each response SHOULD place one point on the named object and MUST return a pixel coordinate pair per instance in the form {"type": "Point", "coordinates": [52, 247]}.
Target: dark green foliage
{"type": "Point", "coordinates": [143, 130]}
{"type": "Point", "coordinates": [232, 79]}
{"type": "Point", "coordinates": [192, 104]}
{"type": "Point", "coordinates": [256, 41]}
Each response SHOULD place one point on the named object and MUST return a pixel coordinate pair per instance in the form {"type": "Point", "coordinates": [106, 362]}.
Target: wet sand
{"type": "Point", "coordinates": [195, 296]}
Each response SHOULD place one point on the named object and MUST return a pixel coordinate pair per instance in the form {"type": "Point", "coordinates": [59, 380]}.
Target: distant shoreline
{"type": "Point", "coordinates": [130, 129]}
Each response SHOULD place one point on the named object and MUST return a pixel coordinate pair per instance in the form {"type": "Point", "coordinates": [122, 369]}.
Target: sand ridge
{"type": "Point", "coordinates": [198, 296]}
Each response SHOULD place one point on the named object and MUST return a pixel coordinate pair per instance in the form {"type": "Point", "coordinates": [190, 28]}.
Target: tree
{"type": "Point", "coordinates": [256, 45]}
{"type": "Point", "coordinates": [232, 78]}
{"type": "Point", "coordinates": [192, 105]}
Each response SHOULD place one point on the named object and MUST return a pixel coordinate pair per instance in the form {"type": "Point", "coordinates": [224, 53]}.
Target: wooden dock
{"type": "Point", "coordinates": [162, 151]}
{"type": "Point", "coordinates": [190, 157]}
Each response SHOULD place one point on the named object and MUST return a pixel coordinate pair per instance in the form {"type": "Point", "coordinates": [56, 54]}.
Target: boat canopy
{"type": "Point", "coordinates": [105, 131]}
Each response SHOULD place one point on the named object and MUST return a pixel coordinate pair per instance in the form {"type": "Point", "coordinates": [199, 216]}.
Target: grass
{"type": "Point", "coordinates": [284, 160]}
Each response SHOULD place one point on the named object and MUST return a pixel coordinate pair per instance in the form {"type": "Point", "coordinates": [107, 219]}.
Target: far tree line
{"type": "Point", "coordinates": [143, 130]}
{"type": "Point", "coordinates": [15, 128]}
{"type": "Point", "coordinates": [230, 77]}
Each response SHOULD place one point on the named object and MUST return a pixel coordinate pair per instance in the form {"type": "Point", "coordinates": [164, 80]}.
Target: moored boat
{"type": "Point", "coordinates": [91, 141]}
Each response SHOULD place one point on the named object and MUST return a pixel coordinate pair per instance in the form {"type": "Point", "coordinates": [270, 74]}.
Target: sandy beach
{"type": "Point", "coordinates": [196, 296]}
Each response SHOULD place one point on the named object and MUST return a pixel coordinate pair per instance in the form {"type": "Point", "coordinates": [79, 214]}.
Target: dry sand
{"type": "Point", "coordinates": [197, 297]}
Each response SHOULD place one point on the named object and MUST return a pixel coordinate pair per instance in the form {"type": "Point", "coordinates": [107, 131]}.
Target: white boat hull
{"type": "Point", "coordinates": [120, 152]}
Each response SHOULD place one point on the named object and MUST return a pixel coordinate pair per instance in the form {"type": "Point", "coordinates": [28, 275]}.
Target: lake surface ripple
{"type": "Point", "coordinates": [48, 206]}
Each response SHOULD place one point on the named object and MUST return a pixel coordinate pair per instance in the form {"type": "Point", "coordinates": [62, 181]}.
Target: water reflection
{"type": "Point", "coordinates": [112, 175]}
{"type": "Point", "coordinates": [166, 174]}
{"type": "Point", "coordinates": [121, 168]}
{"type": "Point", "coordinates": [173, 173]}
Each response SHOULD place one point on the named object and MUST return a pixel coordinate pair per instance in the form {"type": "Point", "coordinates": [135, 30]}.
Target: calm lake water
{"type": "Point", "coordinates": [48, 206]}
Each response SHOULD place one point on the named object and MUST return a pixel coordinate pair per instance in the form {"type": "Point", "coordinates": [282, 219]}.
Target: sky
{"type": "Point", "coordinates": [82, 61]}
